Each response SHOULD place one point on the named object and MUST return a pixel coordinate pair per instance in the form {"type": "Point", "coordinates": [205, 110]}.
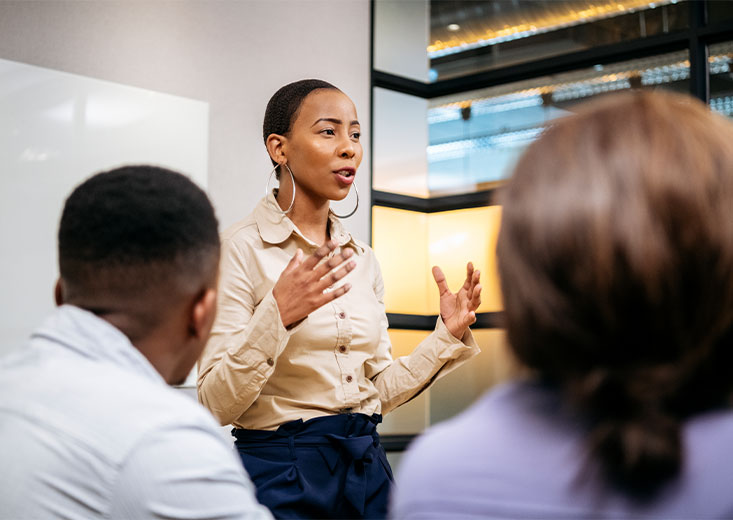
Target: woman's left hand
{"type": "Point", "coordinates": [458, 310]}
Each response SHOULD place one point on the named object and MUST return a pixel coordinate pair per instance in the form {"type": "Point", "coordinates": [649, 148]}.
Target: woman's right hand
{"type": "Point", "coordinates": [301, 288]}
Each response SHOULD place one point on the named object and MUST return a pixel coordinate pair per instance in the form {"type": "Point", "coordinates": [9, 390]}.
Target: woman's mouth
{"type": "Point", "coordinates": [346, 176]}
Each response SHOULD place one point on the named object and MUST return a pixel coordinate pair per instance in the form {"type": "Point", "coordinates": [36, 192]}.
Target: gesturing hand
{"type": "Point", "coordinates": [300, 288]}
{"type": "Point", "coordinates": [458, 310]}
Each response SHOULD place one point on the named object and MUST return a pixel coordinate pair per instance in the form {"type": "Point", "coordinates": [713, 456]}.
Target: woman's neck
{"type": "Point", "coordinates": [308, 214]}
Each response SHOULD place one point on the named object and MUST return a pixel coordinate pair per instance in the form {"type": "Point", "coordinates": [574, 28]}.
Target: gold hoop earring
{"type": "Point", "coordinates": [267, 189]}
{"type": "Point", "coordinates": [354, 210]}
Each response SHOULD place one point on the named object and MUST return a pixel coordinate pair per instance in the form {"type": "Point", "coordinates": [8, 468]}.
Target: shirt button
{"type": "Point", "coordinates": [342, 315]}
{"type": "Point", "coordinates": [270, 361]}
{"type": "Point", "coordinates": [349, 379]}
{"type": "Point", "coordinates": [342, 349]}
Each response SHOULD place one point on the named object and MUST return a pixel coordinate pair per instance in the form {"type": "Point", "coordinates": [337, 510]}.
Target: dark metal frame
{"type": "Point", "coordinates": [696, 38]}
{"type": "Point", "coordinates": [477, 199]}
{"type": "Point", "coordinates": [396, 443]}
{"type": "Point", "coordinates": [484, 320]}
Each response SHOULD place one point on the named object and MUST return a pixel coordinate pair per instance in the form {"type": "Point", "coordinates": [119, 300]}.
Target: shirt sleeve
{"type": "Point", "coordinates": [402, 379]}
{"type": "Point", "coordinates": [184, 472]}
{"type": "Point", "coordinates": [246, 340]}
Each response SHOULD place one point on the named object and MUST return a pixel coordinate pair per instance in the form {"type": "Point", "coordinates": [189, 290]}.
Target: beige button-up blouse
{"type": "Point", "coordinates": [256, 374]}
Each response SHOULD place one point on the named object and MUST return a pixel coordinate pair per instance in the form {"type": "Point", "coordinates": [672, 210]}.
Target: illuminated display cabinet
{"type": "Point", "coordinates": [460, 89]}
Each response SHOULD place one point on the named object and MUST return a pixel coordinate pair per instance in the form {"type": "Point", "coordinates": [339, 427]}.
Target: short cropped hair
{"type": "Point", "coordinates": [282, 109]}
{"type": "Point", "coordinates": [616, 263]}
{"type": "Point", "coordinates": [136, 227]}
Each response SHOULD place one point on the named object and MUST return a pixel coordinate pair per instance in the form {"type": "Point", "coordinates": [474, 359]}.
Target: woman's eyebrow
{"type": "Point", "coordinates": [334, 121]}
{"type": "Point", "coordinates": [330, 120]}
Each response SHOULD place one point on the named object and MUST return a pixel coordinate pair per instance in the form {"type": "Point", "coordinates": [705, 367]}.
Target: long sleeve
{"type": "Point", "coordinates": [246, 341]}
{"type": "Point", "coordinates": [401, 379]}
{"type": "Point", "coordinates": [256, 374]}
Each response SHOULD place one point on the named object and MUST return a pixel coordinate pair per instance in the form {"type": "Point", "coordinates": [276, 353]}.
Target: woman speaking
{"type": "Point", "coordinates": [299, 359]}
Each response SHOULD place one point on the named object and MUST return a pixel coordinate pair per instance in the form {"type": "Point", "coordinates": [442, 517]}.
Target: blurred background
{"type": "Point", "coordinates": [459, 89]}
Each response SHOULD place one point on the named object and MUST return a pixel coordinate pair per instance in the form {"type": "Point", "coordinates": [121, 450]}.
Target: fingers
{"type": "Point", "coordinates": [469, 319]}
{"type": "Point", "coordinates": [324, 267]}
{"type": "Point", "coordinates": [461, 324]}
{"type": "Point", "coordinates": [474, 283]}
{"type": "Point", "coordinates": [305, 284]}
{"type": "Point", "coordinates": [320, 254]}
{"type": "Point", "coordinates": [336, 293]}
{"type": "Point", "coordinates": [335, 275]}
{"type": "Point", "coordinates": [440, 280]}
{"type": "Point", "coordinates": [294, 261]}
{"type": "Point", "coordinates": [475, 298]}
{"type": "Point", "coordinates": [469, 276]}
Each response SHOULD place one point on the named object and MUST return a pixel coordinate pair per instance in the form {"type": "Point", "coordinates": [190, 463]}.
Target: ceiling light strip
{"type": "Point", "coordinates": [574, 17]}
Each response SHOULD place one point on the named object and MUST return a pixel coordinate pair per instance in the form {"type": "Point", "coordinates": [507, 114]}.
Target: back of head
{"type": "Point", "coordinates": [616, 262]}
{"type": "Point", "coordinates": [135, 239]}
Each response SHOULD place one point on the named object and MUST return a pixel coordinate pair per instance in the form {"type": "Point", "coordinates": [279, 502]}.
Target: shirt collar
{"type": "Point", "coordinates": [275, 228]}
{"type": "Point", "coordinates": [92, 337]}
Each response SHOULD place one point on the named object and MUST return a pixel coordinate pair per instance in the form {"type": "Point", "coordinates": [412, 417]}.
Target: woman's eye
{"type": "Point", "coordinates": [356, 135]}
{"type": "Point", "coordinates": [328, 131]}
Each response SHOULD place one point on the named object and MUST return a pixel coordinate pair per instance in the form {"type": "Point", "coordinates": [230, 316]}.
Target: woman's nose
{"type": "Point", "coordinates": [346, 148]}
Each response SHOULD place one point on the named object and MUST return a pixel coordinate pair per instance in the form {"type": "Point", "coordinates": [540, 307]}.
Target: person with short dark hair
{"type": "Point", "coordinates": [299, 359]}
{"type": "Point", "coordinates": [616, 263]}
{"type": "Point", "coordinates": [88, 424]}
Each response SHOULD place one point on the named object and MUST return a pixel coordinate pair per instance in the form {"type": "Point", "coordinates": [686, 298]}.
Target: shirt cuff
{"type": "Point", "coordinates": [454, 350]}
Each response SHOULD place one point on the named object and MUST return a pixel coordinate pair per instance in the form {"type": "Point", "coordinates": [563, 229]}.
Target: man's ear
{"type": "Point", "coordinates": [203, 314]}
{"type": "Point", "coordinates": [58, 293]}
{"type": "Point", "coordinates": [276, 148]}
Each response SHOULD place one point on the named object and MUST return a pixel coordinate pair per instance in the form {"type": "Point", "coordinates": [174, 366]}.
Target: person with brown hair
{"type": "Point", "coordinates": [616, 263]}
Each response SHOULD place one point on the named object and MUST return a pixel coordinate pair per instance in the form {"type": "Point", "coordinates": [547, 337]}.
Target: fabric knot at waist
{"type": "Point", "coordinates": [348, 439]}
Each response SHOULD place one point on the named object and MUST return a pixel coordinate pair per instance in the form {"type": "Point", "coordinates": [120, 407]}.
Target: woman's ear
{"type": "Point", "coordinates": [276, 145]}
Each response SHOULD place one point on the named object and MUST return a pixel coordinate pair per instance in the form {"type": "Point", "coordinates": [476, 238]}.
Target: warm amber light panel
{"type": "Point", "coordinates": [404, 341]}
{"type": "Point", "coordinates": [409, 243]}
{"type": "Point", "coordinates": [414, 416]}
{"type": "Point", "coordinates": [399, 238]}
{"type": "Point", "coordinates": [457, 237]}
{"type": "Point", "coordinates": [495, 363]}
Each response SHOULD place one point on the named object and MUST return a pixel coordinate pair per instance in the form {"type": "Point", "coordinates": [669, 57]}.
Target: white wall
{"type": "Point", "coordinates": [55, 129]}
{"type": "Point", "coordinates": [232, 54]}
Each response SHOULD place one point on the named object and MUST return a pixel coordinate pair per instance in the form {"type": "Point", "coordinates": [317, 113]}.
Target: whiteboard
{"type": "Point", "coordinates": [57, 129]}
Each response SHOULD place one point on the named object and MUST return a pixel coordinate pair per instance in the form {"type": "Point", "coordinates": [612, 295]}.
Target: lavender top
{"type": "Point", "coordinates": [520, 453]}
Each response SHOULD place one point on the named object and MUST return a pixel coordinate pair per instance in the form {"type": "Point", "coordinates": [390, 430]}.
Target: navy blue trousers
{"type": "Point", "coordinates": [327, 467]}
